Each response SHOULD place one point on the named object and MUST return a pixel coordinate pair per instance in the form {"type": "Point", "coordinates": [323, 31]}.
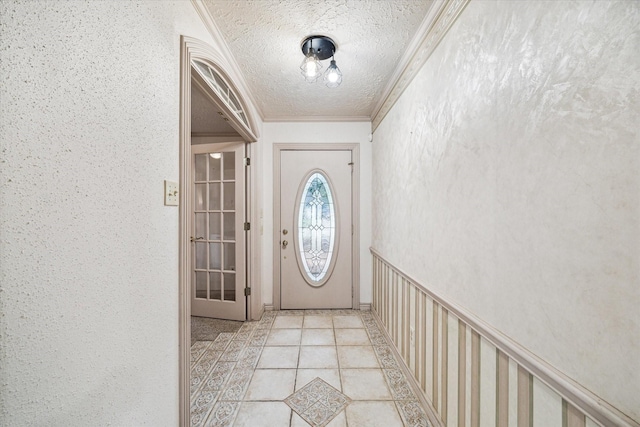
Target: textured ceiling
{"type": "Point", "coordinates": [265, 36]}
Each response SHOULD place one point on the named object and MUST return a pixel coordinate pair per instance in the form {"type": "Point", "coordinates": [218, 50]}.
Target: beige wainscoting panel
{"type": "Point", "coordinates": [571, 416]}
{"type": "Point", "coordinates": [502, 389]}
{"type": "Point", "coordinates": [462, 373]}
{"type": "Point", "coordinates": [475, 380]}
{"type": "Point", "coordinates": [547, 406]}
{"type": "Point", "coordinates": [525, 398]}
{"type": "Point", "coordinates": [468, 374]}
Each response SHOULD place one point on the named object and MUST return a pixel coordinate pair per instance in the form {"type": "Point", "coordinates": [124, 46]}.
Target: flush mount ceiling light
{"type": "Point", "coordinates": [316, 49]}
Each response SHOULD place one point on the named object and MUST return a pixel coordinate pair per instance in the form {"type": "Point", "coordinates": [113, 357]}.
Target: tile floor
{"type": "Point", "coordinates": [298, 368]}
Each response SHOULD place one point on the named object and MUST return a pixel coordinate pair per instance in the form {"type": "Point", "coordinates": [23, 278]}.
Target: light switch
{"type": "Point", "coordinates": [170, 193]}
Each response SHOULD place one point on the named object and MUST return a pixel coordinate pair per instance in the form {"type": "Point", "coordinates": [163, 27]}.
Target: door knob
{"type": "Point", "coordinates": [284, 244]}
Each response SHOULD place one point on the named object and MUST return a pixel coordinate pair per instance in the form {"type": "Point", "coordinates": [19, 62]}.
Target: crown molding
{"type": "Point", "coordinates": [210, 25]}
{"type": "Point", "coordinates": [317, 119]}
{"type": "Point", "coordinates": [435, 25]}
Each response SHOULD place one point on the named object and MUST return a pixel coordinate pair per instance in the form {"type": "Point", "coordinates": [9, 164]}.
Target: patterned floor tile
{"type": "Point", "coordinates": [197, 349]}
{"type": "Point", "coordinates": [399, 386]}
{"type": "Point", "coordinates": [201, 370]}
{"type": "Point", "coordinates": [222, 414]}
{"type": "Point", "coordinates": [221, 341]}
{"type": "Point", "coordinates": [233, 351]}
{"type": "Point", "coordinates": [413, 414]}
{"type": "Point", "coordinates": [201, 405]}
{"type": "Point", "coordinates": [248, 326]}
{"type": "Point", "coordinates": [249, 358]}
{"type": "Point", "coordinates": [243, 335]}
{"type": "Point", "coordinates": [218, 376]}
{"type": "Point", "coordinates": [259, 337]}
{"type": "Point", "coordinates": [386, 357]}
{"type": "Point", "coordinates": [223, 370]}
{"type": "Point", "coordinates": [317, 402]}
{"type": "Point", "coordinates": [237, 385]}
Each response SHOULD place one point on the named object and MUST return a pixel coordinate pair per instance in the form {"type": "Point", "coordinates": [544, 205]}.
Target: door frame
{"type": "Point", "coordinates": [355, 212]}
{"type": "Point", "coordinates": [191, 48]}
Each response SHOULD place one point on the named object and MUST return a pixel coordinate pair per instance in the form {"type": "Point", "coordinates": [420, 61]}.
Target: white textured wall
{"type": "Point", "coordinates": [507, 178]}
{"type": "Point", "coordinates": [318, 132]}
{"type": "Point", "coordinates": [89, 113]}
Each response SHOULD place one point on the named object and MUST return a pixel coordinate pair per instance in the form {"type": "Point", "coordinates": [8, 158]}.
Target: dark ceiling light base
{"type": "Point", "coordinates": [322, 46]}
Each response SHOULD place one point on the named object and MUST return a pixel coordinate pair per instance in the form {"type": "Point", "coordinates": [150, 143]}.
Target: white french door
{"type": "Point", "coordinates": [316, 229]}
{"type": "Point", "coordinates": [217, 236]}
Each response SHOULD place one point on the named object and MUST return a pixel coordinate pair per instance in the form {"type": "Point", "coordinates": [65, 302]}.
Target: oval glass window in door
{"type": "Point", "coordinates": [316, 228]}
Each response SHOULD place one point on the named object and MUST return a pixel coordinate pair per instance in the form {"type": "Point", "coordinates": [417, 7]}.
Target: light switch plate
{"type": "Point", "coordinates": [170, 193]}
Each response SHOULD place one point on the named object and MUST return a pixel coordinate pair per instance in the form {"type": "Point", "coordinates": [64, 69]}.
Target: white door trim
{"type": "Point", "coordinates": [355, 191]}
{"type": "Point", "coordinates": [191, 48]}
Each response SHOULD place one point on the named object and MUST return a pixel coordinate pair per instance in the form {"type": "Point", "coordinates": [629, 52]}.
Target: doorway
{"type": "Point", "coordinates": [316, 226]}
{"type": "Point", "coordinates": [211, 112]}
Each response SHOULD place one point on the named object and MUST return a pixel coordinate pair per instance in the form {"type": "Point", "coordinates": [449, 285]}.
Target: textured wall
{"type": "Point", "coordinates": [507, 178]}
{"type": "Point", "coordinates": [344, 132]}
{"type": "Point", "coordinates": [89, 273]}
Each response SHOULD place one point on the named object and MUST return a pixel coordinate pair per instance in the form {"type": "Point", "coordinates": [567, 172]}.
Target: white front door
{"type": "Point", "coordinates": [316, 229]}
{"type": "Point", "coordinates": [218, 241]}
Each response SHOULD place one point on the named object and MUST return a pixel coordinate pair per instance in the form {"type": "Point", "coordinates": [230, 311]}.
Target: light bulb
{"type": "Point", "coordinates": [333, 76]}
{"type": "Point", "coordinates": [311, 69]}
{"type": "Point", "coordinates": [215, 155]}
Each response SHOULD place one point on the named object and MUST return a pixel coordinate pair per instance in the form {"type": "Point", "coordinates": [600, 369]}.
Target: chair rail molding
{"type": "Point", "coordinates": [419, 323]}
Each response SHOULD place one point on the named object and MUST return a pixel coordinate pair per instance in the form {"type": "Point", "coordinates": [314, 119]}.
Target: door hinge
{"type": "Point", "coordinates": [247, 161]}
{"type": "Point", "coordinates": [247, 226]}
{"type": "Point", "coordinates": [247, 292]}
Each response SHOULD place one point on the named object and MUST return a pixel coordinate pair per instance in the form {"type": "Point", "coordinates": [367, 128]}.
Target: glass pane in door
{"type": "Point", "coordinates": [230, 256]}
{"type": "Point", "coordinates": [214, 256]}
{"type": "Point", "coordinates": [214, 196]}
{"type": "Point", "coordinates": [229, 166]}
{"type": "Point", "coordinates": [201, 255]}
{"type": "Point", "coordinates": [201, 284]}
{"type": "Point", "coordinates": [201, 225]}
{"type": "Point", "coordinates": [214, 166]}
{"type": "Point", "coordinates": [201, 167]}
{"type": "Point", "coordinates": [216, 286]}
{"type": "Point", "coordinates": [316, 227]}
{"type": "Point", "coordinates": [229, 226]}
{"type": "Point", "coordinates": [229, 189]}
{"type": "Point", "coordinates": [201, 196]}
{"type": "Point", "coordinates": [214, 226]}
{"type": "Point", "coordinates": [229, 286]}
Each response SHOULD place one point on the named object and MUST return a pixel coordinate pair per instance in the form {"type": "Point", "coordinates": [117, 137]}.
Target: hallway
{"type": "Point", "coordinates": [495, 237]}
{"type": "Point", "coordinates": [299, 368]}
